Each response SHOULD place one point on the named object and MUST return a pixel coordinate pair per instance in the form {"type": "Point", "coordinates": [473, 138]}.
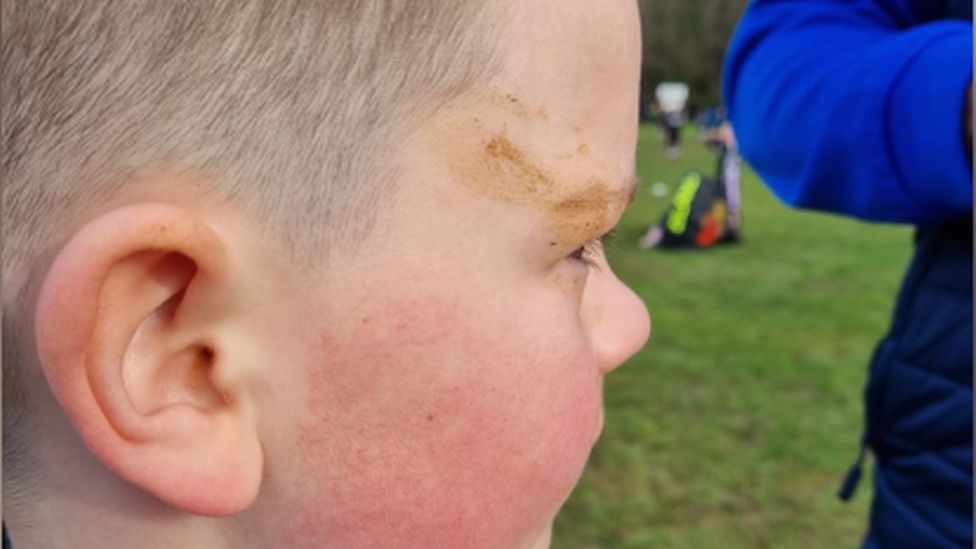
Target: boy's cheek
{"type": "Point", "coordinates": [435, 424]}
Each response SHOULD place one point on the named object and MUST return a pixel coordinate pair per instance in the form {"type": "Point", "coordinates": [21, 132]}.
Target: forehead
{"type": "Point", "coordinates": [572, 54]}
{"type": "Point", "coordinates": [506, 149]}
{"type": "Point", "coordinates": [557, 130]}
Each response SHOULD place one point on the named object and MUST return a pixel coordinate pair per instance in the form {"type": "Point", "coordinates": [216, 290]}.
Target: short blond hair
{"type": "Point", "coordinates": [295, 105]}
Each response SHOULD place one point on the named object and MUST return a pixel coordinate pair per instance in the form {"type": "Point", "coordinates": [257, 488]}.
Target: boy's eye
{"type": "Point", "coordinates": [583, 253]}
{"type": "Point", "coordinates": [589, 252]}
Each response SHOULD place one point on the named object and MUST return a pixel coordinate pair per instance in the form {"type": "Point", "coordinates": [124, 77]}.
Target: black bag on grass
{"type": "Point", "coordinates": [696, 218]}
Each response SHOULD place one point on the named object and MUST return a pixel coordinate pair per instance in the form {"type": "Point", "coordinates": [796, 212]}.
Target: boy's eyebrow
{"type": "Point", "coordinates": [601, 194]}
{"type": "Point", "coordinates": [582, 212]}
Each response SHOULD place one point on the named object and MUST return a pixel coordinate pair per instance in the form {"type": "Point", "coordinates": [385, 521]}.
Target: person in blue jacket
{"type": "Point", "coordinates": [861, 107]}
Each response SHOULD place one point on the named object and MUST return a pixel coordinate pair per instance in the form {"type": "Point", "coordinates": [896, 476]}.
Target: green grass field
{"type": "Point", "coordinates": [734, 426]}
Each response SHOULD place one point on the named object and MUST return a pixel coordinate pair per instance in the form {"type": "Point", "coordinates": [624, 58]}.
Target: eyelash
{"type": "Point", "coordinates": [587, 252]}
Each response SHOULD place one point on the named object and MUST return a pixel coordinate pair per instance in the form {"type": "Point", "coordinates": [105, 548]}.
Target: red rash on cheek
{"type": "Point", "coordinates": [434, 426]}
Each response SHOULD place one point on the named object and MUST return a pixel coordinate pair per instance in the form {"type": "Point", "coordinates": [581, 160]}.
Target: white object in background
{"type": "Point", "coordinates": [659, 189]}
{"type": "Point", "coordinates": [671, 96]}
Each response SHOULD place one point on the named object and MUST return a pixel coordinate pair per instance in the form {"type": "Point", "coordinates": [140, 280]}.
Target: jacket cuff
{"type": "Point", "coordinates": [925, 115]}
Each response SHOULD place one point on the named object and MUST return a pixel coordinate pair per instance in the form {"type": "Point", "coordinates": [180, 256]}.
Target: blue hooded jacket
{"type": "Point", "coordinates": [856, 107]}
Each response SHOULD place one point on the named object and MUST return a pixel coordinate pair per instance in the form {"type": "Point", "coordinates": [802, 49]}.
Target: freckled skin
{"type": "Point", "coordinates": [515, 106]}
{"type": "Point", "coordinates": [461, 415]}
{"type": "Point", "coordinates": [438, 460]}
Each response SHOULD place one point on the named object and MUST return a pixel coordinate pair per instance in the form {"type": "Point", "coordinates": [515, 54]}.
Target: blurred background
{"type": "Point", "coordinates": [684, 40]}
{"type": "Point", "coordinates": [735, 425]}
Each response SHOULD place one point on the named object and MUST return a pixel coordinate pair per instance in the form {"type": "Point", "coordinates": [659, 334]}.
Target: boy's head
{"type": "Point", "coordinates": [309, 274]}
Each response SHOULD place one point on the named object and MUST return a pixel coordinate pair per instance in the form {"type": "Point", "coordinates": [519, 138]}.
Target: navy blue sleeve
{"type": "Point", "coordinates": [854, 106]}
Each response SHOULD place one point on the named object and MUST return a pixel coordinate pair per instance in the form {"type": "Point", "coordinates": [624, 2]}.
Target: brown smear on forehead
{"type": "Point", "coordinates": [490, 164]}
{"type": "Point", "coordinates": [512, 162]}
{"type": "Point", "coordinates": [509, 174]}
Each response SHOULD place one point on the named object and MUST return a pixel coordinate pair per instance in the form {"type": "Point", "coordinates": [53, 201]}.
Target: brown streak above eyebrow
{"type": "Point", "coordinates": [524, 170]}
{"type": "Point", "coordinates": [575, 216]}
{"type": "Point", "coordinates": [581, 214]}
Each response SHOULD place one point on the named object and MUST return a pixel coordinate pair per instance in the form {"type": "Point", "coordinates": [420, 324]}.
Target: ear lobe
{"type": "Point", "coordinates": [130, 329]}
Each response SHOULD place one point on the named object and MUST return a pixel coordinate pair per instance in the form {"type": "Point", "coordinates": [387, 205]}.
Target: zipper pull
{"type": "Point", "coordinates": [853, 476]}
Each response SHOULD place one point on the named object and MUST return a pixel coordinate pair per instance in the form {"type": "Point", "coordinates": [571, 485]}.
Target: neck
{"type": "Point", "coordinates": [68, 499]}
{"type": "Point", "coordinates": [79, 513]}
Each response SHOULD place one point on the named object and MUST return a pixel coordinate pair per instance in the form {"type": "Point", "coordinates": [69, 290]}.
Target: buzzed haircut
{"type": "Point", "coordinates": [291, 109]}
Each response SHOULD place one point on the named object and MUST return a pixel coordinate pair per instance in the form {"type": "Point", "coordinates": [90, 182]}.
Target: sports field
{"type": "Point", "coordinates": [734, 426]}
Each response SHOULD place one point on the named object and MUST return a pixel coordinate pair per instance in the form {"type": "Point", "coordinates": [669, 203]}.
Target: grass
{"type": "Point", "coordinates": [734, 426]}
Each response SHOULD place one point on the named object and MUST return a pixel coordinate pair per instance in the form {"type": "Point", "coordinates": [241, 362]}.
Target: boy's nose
{"type": "Point", "coordinates": [618, 321]}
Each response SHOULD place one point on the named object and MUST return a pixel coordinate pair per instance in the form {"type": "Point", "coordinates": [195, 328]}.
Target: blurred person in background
{"type": "Point", "coordinates": [704, 210]}
{"type": "Point", "coordinates": [717, 134]}
{"type": "Point", "coordinates": [671, 100]}
{"type": "Point", "coordinates": [863, 108]}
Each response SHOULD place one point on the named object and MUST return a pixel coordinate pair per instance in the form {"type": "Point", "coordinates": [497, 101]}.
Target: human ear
{"type": "Point", "coordinates": [135, 328]}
